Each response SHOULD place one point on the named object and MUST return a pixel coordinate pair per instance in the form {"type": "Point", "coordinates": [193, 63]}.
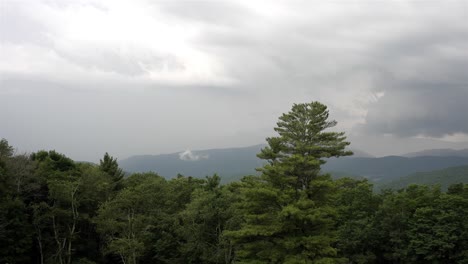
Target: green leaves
{"type": "Point", "coordinates": [203, 221]}
{"type": "Point", "coordinates": [126, 220]}
{"type": "Point", "coordinates": [15, 233]}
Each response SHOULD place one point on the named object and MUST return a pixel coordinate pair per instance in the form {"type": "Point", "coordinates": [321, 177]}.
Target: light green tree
{"type": "Point", "coordinates": [203, 222]}
{"type": "Point", "coordinates": [57, 208]}
{"type": "Point", "coordinates": [126, 220]}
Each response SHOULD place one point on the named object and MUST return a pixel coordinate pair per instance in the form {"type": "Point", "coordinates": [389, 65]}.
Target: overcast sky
{"type": "Point", "coordinates": [149, 77]}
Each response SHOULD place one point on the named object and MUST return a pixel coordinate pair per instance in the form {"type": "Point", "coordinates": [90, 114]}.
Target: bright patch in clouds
{"type": "Point", "coordinates": [128, 40]}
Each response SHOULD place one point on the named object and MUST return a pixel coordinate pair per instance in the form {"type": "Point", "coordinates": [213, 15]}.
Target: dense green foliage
{"type": "Point", "coordinates": [56, 210]}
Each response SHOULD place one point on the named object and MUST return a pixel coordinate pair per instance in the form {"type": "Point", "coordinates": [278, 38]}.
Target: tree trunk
{"type": "Point", "coordinates": [73, 227]}
{"type": "Point", "coordinates": [39, 242]}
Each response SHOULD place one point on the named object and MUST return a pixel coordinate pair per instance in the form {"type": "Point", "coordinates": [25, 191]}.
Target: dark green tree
{"type": "Point", "coordinates": [166, 236]}
{"type": "Point", "coordinates": [296, 155]}
{"type": "Point", "coordinates": [6, 150]}
{"type": "Point", "coordinates": [109, 165]}
{"type": "Point", "coordinates": [15, 230]}
{"type": "Point", "coordinates": [393, 221]}
{"type": "Point", "coordinates": [288, 212]}
{"type": "Point", "coordinates": [356, 204]}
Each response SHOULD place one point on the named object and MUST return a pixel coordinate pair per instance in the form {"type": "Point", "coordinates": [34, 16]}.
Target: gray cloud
{"type": "Point", "coordinates": [421, 109]}
{"type": "Point", "coordinates": [129, 78]}
{"type": "Point", "coordinates": [424, 80]}
{"type": "Point", "coordinates": [215, 13]}
{"type": "Point", "coordinates": [17, 25]}
{"type": "Point", "coordinates": [113, 61]}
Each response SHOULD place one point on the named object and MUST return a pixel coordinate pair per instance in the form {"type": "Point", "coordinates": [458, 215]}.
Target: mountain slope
{"type": "Point", "coordinates": [444, 177]}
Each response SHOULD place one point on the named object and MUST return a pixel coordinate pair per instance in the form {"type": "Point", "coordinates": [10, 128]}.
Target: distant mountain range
{"type": "Point", "coordinates": [234, 163]}
{"type": "Point", "coordinates": [391, 167]}
{"type": "Point", "coordinates": [231, 163]}
{"type": "Point", "coordinates": [439, 153]}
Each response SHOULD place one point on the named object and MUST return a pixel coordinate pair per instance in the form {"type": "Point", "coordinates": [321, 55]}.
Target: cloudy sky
{"type": "Point", "coordinates": [148, 77]}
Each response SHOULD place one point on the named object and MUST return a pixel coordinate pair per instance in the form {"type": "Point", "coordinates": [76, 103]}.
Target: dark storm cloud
{"type": "Point", "coordinates": [420, 109]}
{"type": "Point", "coordinates": [424, 80]}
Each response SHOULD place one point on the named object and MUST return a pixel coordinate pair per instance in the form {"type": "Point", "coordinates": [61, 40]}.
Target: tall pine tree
{"type": "Point", "coordinates": [110, 166]}
{"type": "Point", "coordinates": [288, 211]}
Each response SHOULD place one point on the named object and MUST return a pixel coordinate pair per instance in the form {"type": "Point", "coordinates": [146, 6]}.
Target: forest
{"type": "Point", "coordinates": [56, 210]}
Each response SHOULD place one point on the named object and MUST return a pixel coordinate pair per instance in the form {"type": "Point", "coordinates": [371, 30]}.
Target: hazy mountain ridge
{"type": "Point", "coordinates": [229, 163]}
{"type": "Point", "coordinates": [233, 163]}
{"type": "Point", "coordinates": [391, 167]}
